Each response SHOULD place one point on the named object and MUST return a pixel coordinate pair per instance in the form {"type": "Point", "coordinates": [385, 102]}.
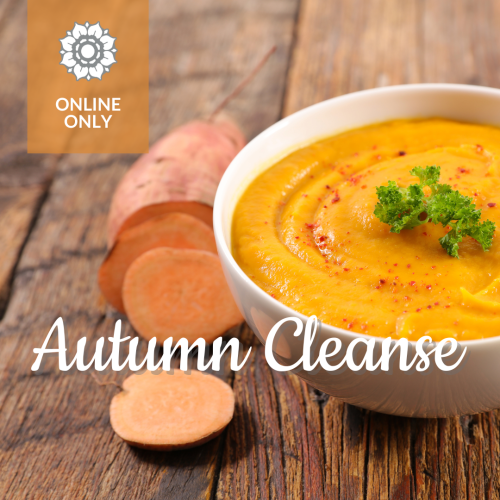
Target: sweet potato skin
{"type": "Point", "coordinates": [186, 165]}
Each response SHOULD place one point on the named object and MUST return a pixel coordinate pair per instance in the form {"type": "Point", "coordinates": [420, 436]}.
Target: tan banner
{"type": "Point", "coordinates": [88, 76]}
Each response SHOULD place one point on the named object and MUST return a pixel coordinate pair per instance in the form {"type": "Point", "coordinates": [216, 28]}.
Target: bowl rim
{"type": "Point", "coordinates": [224, 186]}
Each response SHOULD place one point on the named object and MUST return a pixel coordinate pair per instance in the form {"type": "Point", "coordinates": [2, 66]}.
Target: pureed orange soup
{"type": "Point", "coordinates": [304, 231]}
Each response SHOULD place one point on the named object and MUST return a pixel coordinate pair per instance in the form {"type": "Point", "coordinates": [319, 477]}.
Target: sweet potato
{"type": "Point", "coordinates": [171, 411]}
{"type": "Point", "coordinates": [169, 292]}
{"type": "Point", "coordinates": [180, 173]}
{"type": "Point", "coordinates": [176, 230]}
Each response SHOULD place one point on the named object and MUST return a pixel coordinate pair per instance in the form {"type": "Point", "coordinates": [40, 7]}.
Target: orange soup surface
{"type": "Point", "coordinates": [304, 231]}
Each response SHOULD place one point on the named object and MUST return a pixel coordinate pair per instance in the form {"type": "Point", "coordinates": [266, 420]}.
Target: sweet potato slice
{"type": "Point", "coordinates": [169, 292]}
{"type": "Point", "coordinates": [171, 411]}
{"type": "Point", "coordinates": [176, 230]}
{"type": "Point", "coordinates": [203, 212]}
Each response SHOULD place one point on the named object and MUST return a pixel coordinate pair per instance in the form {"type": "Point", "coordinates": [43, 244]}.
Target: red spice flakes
{"type": "Point", "coordinates": [491, 205]}
{"type": "Point", "coordinates": [406, 297]}
{"type": "Point", "coordinates": [424, 233]}
{"type": "Point", "coordinates": [381, 281]}
{"type": "Point", "coordinates": [419, 309]}
{"type": "Point", "coordinates": [433, 267]}
{"type": "Point", "coordinates": [336, 197]}
{"type": "Point", "coordinates": [346, 269]}
{"type": "Point", "coordinates": [310, 226]}
{"type": "Point", "coordinates": [447, 307]}
{"type": "Point", "coordinates": [374, 147]}
{"type": "Point", "coordinates": [265, 222]}
{"type": "Point", "coordinates": [304, 195]}
{"type": "Point", "coordinates": [319, 199]}
{"type": "Point", "coordinates": [321, 238]}
{"type": "Point", "coordinates": [417, 257]}
{"type": "Point", "coordinates": [396, 264]}
{"type": "Point", "coordinates": [324, 206]}
{"type": "Point", "coordinates": [377, 287]}
{"type": "Point", "coordinates": [436, 303]}
{"type": "Point", "coordinates": [344, 319]}
{"type": "Point", "coordinates": [429, 307]}
{"type": "Point", "coordinates": [395, 300]}
{"type": "Point", "coordinates": [429, 287]}
{"type": "Point", "coordinates": [272, 295]}
{"type": "Point", "coordinates": [475, 194]}
{"type": "Point", "coordinates": [479, 148]}
{"type": "Point", "coordinates": [412, 283]}
{"type": "Point", "coordinates": [396, 277]}
{"type": "Point", "coordinates": [363, 327]}
{"type": "Point", "coordinates": [360, 268]}
{"type": "Point", "coordinates": [297, 237]}
{"type": "Point", "coordinates": [390, 271]}
{"type": "Point", "coordinates": [355, 179]}
{"type": "Point", "coordinates": [463, 170]}
{"type": "Point", "coordinates": [350, 325]}
{"type": "Point", "coordinates": [402, 153]}
{"type": "Point", "coordinates": [408, 266]}
{"type": "Point", "coordinates": [363, 187]}
{"type": "Point", "coordinates": [327, 186]}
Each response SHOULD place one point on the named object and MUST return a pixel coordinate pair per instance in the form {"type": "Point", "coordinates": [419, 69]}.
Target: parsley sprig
{"type": "Point", "coordinates": [406, 208]}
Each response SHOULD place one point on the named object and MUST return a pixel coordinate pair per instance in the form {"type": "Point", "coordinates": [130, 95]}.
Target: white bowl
{"type": "Point", "coordinates": [475, 386]}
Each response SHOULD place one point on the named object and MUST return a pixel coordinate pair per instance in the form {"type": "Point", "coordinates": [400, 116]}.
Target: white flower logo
{"type": "Point", "coordinates": [88, 51]}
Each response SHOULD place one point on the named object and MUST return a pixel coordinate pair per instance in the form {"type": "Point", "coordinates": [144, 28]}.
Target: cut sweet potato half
{"type": "Point", "coordinates": [169, 292]}
{"type": "Point", "coordinates": [183, 167]}
{"type": "Point", "coordinates": [170, 230]}
{"type": "Point", "coordinates": [171, 411]}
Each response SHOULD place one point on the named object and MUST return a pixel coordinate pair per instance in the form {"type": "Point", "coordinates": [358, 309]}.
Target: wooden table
{"type": "Point", "coordinates": [286, 440]}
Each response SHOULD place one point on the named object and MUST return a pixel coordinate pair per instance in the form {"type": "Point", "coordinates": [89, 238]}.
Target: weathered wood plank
{"type": "Point", "coordinates": [56, 438]}
{"type": "Point", "coordinates": [345, 46]}
{"type": "Point", "coordinates": [200, 51]}
{"type": "Point", "coordinates": [252, 461]}
{"type": "Point", "coordinates": [24, 178]}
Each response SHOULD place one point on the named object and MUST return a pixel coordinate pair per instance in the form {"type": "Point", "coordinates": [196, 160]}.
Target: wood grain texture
{"type": "Point", "coordinates": [345, 46]}
{"type": "Point", "coordinates": [24, 179]}
{"type": "Point", "coordinates": [200, 51]}
{"type": "Point", "coordinates": [286, 440]}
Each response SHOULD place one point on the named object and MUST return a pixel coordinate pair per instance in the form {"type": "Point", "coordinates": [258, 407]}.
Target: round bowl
{"type": "Point", "coordinates": [475, 385]}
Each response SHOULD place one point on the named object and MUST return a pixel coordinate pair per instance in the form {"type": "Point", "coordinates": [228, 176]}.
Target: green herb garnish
{"type": "Point", "coordinates": [406, 208]}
